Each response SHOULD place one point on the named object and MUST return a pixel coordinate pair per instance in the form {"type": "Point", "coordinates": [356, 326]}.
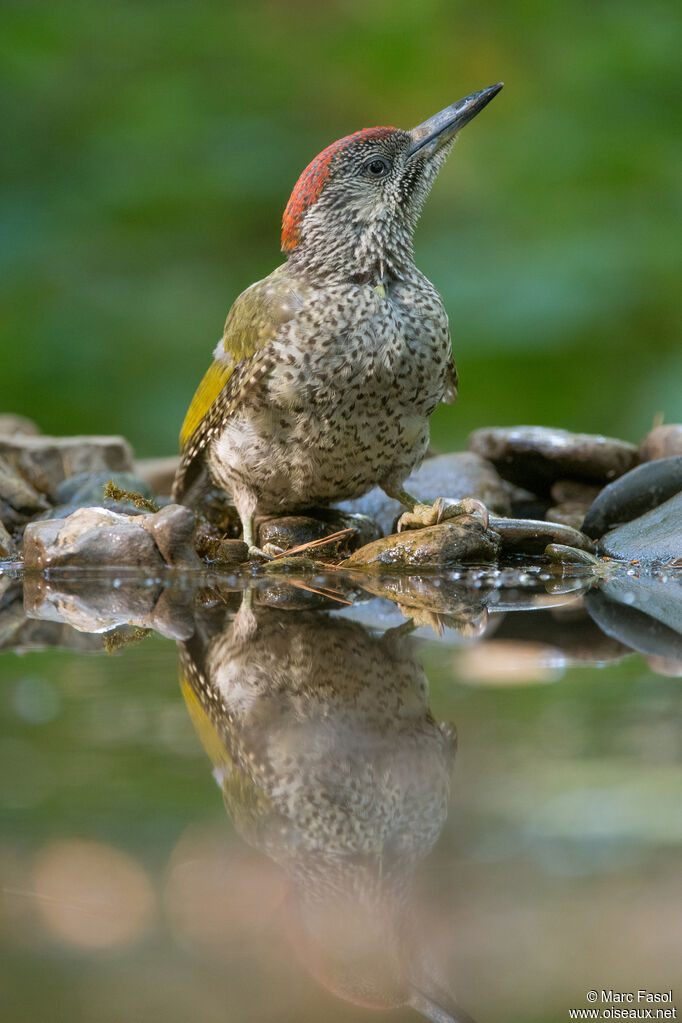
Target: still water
{"type": "Point", "coordinates": [309, 798]}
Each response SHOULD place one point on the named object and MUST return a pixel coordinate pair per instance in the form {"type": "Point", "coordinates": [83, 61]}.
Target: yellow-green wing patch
{"type": "Point", "coordinates": [215, 378]}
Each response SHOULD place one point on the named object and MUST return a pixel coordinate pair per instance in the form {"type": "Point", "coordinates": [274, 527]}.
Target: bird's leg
{"type": "Point", "coordinates": [420, 515]}
{"type": "Point", "coordinates": [248, 529]}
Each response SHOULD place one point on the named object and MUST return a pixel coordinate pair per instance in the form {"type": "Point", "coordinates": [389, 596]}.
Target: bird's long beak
{"type": "Point", "coordinates": [442, 127]}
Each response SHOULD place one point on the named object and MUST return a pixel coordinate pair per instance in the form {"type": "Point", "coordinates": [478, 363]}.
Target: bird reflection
{"type": "Point", "coordinates": [331, 764]}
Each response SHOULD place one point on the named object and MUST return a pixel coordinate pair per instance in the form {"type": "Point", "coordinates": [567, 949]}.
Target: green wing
{"type": "Point", "coordinates": [243, 358]}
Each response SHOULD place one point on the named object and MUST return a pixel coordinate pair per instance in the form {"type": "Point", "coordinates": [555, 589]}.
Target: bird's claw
{"type": "Point", "coordinates": [431, 514]}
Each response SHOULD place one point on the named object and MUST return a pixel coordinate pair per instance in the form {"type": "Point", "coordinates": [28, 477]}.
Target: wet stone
{"type": "Point", "coordinates": [452, 476]}
{"type": "Point", "coordinates": [531, 536]}
{"type": "Point", "coordinates": [537, 456]}
{"type": "Point", "coordinates": [456, 541]}
{"type": "Point", "coordinates": [230, 553]}
{"type": "Point", "coordinates": [652, 539]}
{"type": "Point", "coordinates": [98, 537]}
{"type": "Point", "coordinates": [46, 461]}
{"type": "Point", "coordinates": [635, 493]}
{"type": "Point", "coordinates": [662, 442]}
{"type": "Point", "coordinates": [289, 531]}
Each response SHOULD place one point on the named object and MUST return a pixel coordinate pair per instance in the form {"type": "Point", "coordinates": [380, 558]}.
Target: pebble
{"type": "Point", "coordinates": [8, 548]}
{"type": "Point", "coordinates": [98, 537]}
{"type": "Point", "coordinates": [662, 442]}
{"type": "Point", "coordinates": [652, 539]}
{"type": "Point", "coordinates": [537, 456]}
{"type": "Point", "coordinates": [455, 541]}
{"type": "Point", "coordinates": [453, 476]}
{"type": "Point", "coordinates": [638, 491]}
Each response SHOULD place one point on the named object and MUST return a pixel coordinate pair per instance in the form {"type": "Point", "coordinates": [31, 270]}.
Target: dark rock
{"type": "Point", "coordinates": [531, 536]}
{"type": "Point", "coordinates": [646, 615]}
{"type": "Point", "coordinates": [635, 493]}
{"type": "Point", "coordinates": [8, 548]}
{"type": "Point", "coordinates": [662, 442]}
{"type": "Point", "coordinates": [537, 456]}
{"type": "Point", "coordinates": [158, 473]}
{"type": "Point", "coordinates": [563, 554]}
{"type": "Point", "coordinates": [453, 476]}
{"type": "Point", "coordinates": [45, 461]}
{"type": "Point", "coordinates": [651, 539]}
{"type": "Point", "coordinates": [229, 553]}
{"type": "Point", "coordinates": [573, 492]}
{"type": "Point", "coordinates": [289, 531]}
{"type": "Point", "coordinates": [524, 504]}
{"type": "Point", "coordinates": [11, 424]}
{"type": "Point", "coordinates": [570, 513]}
{"type": "Point", "coordinates": [456, 541]}
{"type": "Point", "coordinates": [97, 537]}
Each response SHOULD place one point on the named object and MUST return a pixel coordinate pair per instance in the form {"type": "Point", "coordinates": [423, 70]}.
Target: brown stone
{"type": "Point", "coordinates": [661, 442]}
{"type": "Point", "coordinates": [456, 541]}
{"type": "Point", "coordinates": [570, 513]}
{"type": "Point", "coordinates": [8, 548]}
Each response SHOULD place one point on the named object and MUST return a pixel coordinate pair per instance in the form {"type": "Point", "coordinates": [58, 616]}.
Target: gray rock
{"type": "Point", "coordinates": [453, 476]}
{"type": "Point", "coordinates": [537, 456]}
{"type": "Point", "coordinates": [86, 489]}
{"type": "Point", "coordinates": [531, 536]}
{"type": "Point", "coordinates": [635, 493]}
{"type": "Point", "coordinates": [97, 537]}
{"type": "Point", "coordinates": [651, 539]}
{"type": "Point", "coordinates": [158, 473]}
{"type": "Point", "coordinates": [11, 424]}
{"type": "Point", "coordinates": [15, 492]}
{"type": "Point", "coordinates": [8, 548]}
{"type": "Point", "coordinates": [456, 541]}
{"type": "Point", "coordinates": [662, 442]}
{"type": "Point", "coordinates": [46, 461]}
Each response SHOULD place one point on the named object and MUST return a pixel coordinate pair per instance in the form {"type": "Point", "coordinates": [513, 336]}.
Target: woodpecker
{"type": "Point", "coordinates": [328, 369]}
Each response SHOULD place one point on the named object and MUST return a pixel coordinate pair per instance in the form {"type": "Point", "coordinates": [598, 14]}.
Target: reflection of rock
{"type": "Point", "coordinates": [332, 765]}
{"type": "Point", "coordinates": [454, 541]}
{"type": "Point", "coordinates": [536, 456]}
{"type": "Point", "coordinates": [94, 605]}
{"type": "Point", "coordinates": [662, 442]}
{"type": "Point", "coordinates": [635, 493]}
{"type": "Point", "coordinates": [455, 476]}
{"type": "Point", "coordinates": [45, 461]}
{"type": "Point", "coordinates": [642, 613]}
{"type": "Point", "coordinates": [98, 537]}
{"type": "Point", "coordinates": [654, 538]}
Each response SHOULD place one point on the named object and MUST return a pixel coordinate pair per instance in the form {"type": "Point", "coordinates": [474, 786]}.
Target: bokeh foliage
{"type": "Point", "coordinates": [150, 147]}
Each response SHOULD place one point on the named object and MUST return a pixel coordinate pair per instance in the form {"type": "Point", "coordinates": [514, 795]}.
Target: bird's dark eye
{"type": "Point", "coordinates": [377, 167]}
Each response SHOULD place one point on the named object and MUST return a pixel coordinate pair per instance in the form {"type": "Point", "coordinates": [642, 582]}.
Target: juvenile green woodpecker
{"type": "Point", "coordinates": [328, 370]}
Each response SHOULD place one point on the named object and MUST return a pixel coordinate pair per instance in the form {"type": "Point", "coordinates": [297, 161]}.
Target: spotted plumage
{"type": "Point", "coordinates": [329, 369]}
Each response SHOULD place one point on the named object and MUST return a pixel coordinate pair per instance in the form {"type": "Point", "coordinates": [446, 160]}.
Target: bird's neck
{"type": "Point", "coordinates": [372, 257]}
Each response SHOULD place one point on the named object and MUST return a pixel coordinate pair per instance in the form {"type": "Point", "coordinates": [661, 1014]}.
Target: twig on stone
{"type": "Point", "coordinates": [340, 535]}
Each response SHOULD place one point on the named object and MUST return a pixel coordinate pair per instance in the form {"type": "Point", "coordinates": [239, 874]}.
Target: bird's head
{"type": "Point", "coordinates": [354, 209]}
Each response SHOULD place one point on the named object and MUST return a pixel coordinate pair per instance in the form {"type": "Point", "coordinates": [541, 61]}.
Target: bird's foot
{"type": "Point", "coordinates": [422, 515]}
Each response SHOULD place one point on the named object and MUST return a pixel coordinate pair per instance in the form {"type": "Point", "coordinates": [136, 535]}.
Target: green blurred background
{"type": "Point", "coordinates": [150, 148]}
